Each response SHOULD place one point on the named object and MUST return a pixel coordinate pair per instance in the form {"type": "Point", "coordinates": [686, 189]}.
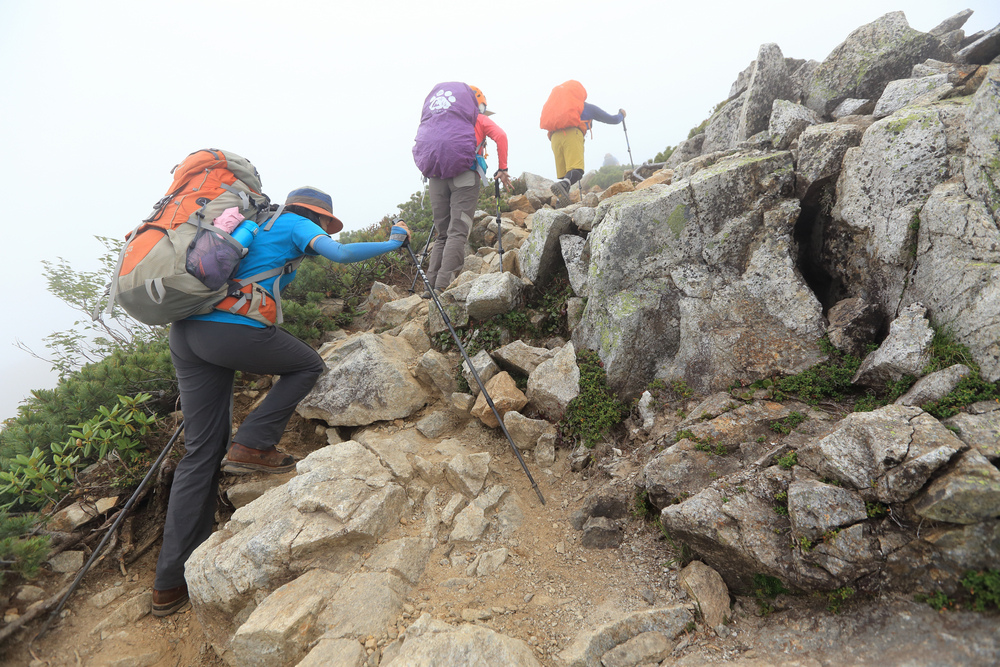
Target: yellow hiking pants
{"type": "Point", "coordinates": [567, 146]}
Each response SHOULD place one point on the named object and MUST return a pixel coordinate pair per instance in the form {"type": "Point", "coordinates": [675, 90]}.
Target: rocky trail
{"type": "Point", "coordinates": [833, 225]}
{"type": "Point", "coordinates": [548, 591]}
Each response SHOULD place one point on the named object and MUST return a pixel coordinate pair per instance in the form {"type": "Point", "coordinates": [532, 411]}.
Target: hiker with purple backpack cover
{"type": "Point", "coordinates": [450, 153]}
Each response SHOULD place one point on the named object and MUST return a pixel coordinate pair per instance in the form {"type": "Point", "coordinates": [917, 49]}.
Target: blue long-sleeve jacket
{"type": "Point", "coordinates": [593, 112]}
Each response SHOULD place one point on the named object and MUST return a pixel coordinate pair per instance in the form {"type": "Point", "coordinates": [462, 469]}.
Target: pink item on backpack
{"type": "Point", "coordinates": [229, 219]}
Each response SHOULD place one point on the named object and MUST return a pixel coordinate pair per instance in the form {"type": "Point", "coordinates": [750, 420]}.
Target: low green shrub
{"type": "Point", "coordinates": [983, 588]}
{"type": "Point", "coordinates": [49, 414]}
{"type": "Point", "coordinates": [835, 599]}
{"type": "Point", "coordinates": [789, 460]}
{"type": "Point", "coordinates": [21, 552]}
{"type": "Point", "coordinates": [608, 175]}
{"type": "Point", "coordinates": [788, 424]}
{"type": "Point", "coordinates": [765, 588]}
{"type": "Point", "coordinates": [665, 154]}
{"type": "Point", "coordinates": [43, 477]}
{"type": "Point", "coordinates": [596, 409]}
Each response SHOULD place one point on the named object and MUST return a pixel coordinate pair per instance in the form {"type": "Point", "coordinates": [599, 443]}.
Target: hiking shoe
{"type": "Point", "coordinates": [561, 190]}
{"type": "Point", "coordinates": [241, 460]}
{"type": "Point", "coordinates": [168, 601]}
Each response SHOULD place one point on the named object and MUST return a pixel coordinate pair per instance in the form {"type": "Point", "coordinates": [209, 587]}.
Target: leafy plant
{"type": "Point", "coordinates": [788, 424]}
{"type": "Point", "coordinates": [596, 409]}
{"type": "Point", "coordinates": [983, 588]}
{"type": "Point", "coordinates": [683, 554]}
{"type": "Point", "coordinates": [21, 552]}
{"type": "Point", "coordinates": [836, 598]}
{"type": "Point", "coordinates": [89, 341]}
{"type": "Point", "coordinates": [766, 588]}
{"type": "Point", "coordinates": [643, 508]}
{"type": "Point", "coordinates": [830, 379]}
{"type": "Point", "coordinates": [938, 601]}
{"type": "Point", "coordinates": [781, 497]}
{"type": "Point", "coordinates": [875, 510]}
{"type": "Point", "coordinates": [789, 460]}
{"type": "Point", "coordinates": [48, 415]}
{"type": "Point", "coordinates": [40, 477]}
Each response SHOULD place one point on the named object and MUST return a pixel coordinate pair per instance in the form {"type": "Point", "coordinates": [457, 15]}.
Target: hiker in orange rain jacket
{"type": "Point", "coordinates": [567, 116]}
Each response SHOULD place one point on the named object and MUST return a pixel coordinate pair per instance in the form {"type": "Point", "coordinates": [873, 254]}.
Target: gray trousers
{"type": "Point", "coordinates": [206, 356]}
{"type": "Point", "coordinates": [453, 201]}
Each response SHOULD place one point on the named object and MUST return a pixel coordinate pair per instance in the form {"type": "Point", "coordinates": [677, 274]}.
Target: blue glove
{"type": "Point", "coordinates": [398, 234]}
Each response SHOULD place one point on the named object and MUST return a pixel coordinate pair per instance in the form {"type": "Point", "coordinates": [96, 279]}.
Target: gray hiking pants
{"type": "Point", "coordinates": [206, 356]}
{"type": "Point", "coordinates": [453, 201]}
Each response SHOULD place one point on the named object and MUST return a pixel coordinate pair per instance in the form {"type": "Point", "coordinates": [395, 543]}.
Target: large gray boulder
{"type": "Point", "coordinates": [494, 294]}
{"type": "Point", "coordinates": [723, 129]}
{"type": "Point", "coordinates": [788, 120]}
{"type": "Point", "coordinates": [982, 172]}
{"type": "Point", "coordinates": [883, 186]}
{"type": "Point", "coordinates": [904, 92]}
{"type": "Point", "coordinates": [433, 642]}
{"type": "Point", "coordinates": [821, 154]}
{"type": "Point", "coordinates": [886, 455]}
{"type": "Point", "coordinates": [342, 500]}
{"type": "Point", "coordinates": [686, 150]}
{"type": "Point", "coordinates": [906, 351]}
{"type": "Point", "coordinates": [768, 82]}
{"type": "Point", "coordinates": [554, 383]}
{"type": "Point", "coordinates": [698, 280]}
{"type": "Point", "coordinates": [368, 380]}
{"type": "Point", "coordinates": [896, 457]}
{"type": "Point", "coordinates": [871, 56]}
{"type": "Point", "coordinates": [957, 272]}
{"type": "Point", "coordinates": [983, 50]}
{"type": "Point", "coordinates": [541, 255]}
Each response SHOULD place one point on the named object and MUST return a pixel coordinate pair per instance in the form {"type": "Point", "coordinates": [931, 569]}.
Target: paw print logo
{"type": "Point", "coordinates": [442, 100]}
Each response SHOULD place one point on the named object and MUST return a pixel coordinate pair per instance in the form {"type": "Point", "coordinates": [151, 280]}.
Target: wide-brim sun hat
{"type": "Point", "coordinates": [317, 201]}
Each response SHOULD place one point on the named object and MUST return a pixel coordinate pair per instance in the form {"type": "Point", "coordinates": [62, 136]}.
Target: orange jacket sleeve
{"type": "Point", "coordinates": [487, 128]}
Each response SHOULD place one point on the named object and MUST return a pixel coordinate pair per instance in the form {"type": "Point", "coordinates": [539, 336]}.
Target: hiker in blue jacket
{"type": "Point", "coordinates": [207, 350]}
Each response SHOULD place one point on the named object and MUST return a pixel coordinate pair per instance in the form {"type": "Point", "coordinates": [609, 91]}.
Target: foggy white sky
{"type": "Point", "coordinates": [99, 99]}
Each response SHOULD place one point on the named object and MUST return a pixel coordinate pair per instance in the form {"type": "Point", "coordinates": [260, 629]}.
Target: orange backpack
{"type": "Point", "coordinates": [563, 108]}
{"type": "Point", "coordinates": [176, 263]}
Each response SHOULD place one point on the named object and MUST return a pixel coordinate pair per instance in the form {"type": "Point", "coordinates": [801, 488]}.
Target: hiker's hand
{"type": "Point", "coordinates": [622, 112]}
{"type": "Point", "coordinates": [504, 178]}
{"type": "Point", "coordinates": [400, 232]}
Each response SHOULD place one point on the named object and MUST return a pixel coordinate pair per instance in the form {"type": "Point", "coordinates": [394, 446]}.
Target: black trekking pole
{"type": "Point", "coordinates": [111, 531]}
{"type": "Point", "coordinates": [423, 255]}
{"type": "Point", "coordinates": [496, 186]}
{"type": "Point", "coordinates": [465, 355]}
{"type": "Point", "coordinates": [630, 163]}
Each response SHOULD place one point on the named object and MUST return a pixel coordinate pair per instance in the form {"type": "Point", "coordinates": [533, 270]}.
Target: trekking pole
{"type": "Point", "coordinates": [630, 163]}
{"type": "Point", "coordinates": [496, 186]}
{"type": "Point", "coordinates": [423, 256]}
{"type": "Point", "coordinates": [111, 531]}
{"type": "Point", "coordinates": [465, 355]}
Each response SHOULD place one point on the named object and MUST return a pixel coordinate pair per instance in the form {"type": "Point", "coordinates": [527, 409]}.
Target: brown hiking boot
{"type": "Point", "coordinates": [170, 600]}
{"type": "Point", "coordinates": [241, 460]}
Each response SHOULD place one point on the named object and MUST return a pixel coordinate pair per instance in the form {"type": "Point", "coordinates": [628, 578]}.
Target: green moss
{"type": "Point", "coordinates": [923, 118]}
{"type": "Point", "coordinates": [678, 219]}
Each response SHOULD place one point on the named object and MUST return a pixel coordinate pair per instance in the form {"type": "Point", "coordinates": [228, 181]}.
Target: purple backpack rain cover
{"type": "Point", "coordinates": [446, 139]}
